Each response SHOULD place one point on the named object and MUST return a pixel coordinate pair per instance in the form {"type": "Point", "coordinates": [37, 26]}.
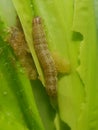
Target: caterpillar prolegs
{"type": "Point", "coordinates": [44, 57]}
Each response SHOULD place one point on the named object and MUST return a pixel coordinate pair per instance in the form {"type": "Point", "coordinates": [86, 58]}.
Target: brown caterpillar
{"type": "Point", "coordinates": [17, 41]}
{"type": "Point", "coordinates": [44, 57]}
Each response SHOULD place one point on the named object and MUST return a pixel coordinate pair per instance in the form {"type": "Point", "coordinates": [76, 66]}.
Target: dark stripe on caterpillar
{"type": "Point", "coordinates": [44, 57]}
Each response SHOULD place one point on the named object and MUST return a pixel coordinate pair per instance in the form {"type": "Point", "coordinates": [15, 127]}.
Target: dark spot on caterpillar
{"type": "Point", "coordinates": [44, 57]}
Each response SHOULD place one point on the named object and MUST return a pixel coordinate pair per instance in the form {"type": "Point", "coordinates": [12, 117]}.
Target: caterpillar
{"type": "Point", "coordinates": [44, 57]}
{"type": "Point", "coordinates": [17, 41]}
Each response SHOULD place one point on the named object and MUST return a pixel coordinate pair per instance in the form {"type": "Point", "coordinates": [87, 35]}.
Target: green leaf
{"type": "Point", "coordinates": [88, 63]}
{"type": "Point", "coordinates": [7, 12]}
{"type": "Point", "coordinates": [58, 24]}
{"type": "Point", "coordinates": [45, 106]}
{"type": "Point", "coordinates": [67, 34]}
{"type": "Point", "coordinates": [25, 13]}
{"type": "Point", "coordinates": [47, 113]}
{"type": "Point", "coordinates": [16, 96]}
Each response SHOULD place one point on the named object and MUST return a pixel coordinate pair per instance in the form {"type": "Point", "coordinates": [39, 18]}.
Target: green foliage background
{"type": "Point", "coordinates": [71, 30]}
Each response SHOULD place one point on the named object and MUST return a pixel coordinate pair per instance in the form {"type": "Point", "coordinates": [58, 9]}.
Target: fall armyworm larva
{"type": "Point", "coordinates": [17, 41]}
{"type": "Point", "coordinates": [44, 57]}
